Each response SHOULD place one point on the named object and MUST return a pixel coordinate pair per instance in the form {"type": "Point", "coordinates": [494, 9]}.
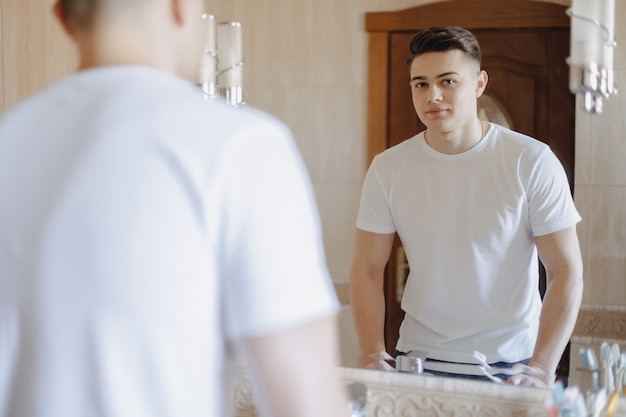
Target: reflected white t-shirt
{"type": "Point", "coordinates": [467, 223]}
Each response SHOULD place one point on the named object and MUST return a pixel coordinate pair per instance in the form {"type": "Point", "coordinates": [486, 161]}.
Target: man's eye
{"type": "Point", "coordinates": [419, 85]}
{"type": "Point", "coordinates": [449, 82]}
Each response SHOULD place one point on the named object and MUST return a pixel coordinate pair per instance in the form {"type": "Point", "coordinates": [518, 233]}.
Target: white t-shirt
{"type": "Point", "coordinates": [142, 230]}
{"type": "Point", "coordinates": [467, 223]}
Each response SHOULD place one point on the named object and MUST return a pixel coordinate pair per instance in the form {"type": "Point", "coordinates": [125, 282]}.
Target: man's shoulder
{"type": "Point", "coordinates": [399, 151]}
{"type": "Point", "coordinates": [515, 136]}
{"type": "Point", "coordinates": [517, 141]}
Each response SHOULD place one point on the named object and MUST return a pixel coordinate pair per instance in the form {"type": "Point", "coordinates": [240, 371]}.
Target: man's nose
{"type": "Point", "coordinates": [434, 95]}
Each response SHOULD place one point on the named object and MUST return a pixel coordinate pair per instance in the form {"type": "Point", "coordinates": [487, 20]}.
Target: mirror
{"type": "Point", "coordinates": [386, 30]}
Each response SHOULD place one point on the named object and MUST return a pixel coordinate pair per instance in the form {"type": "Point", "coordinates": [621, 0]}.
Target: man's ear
{"type": "Point", "coordinates": [61, 15]}
{"type": "Point", "coordinates": [186, 11]}
{"type": "Point", "coordinates": [481, 84]}
{"type": "Point", "coordinates": [178, 11]}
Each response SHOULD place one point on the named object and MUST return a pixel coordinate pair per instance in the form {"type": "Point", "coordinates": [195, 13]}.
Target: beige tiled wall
{"type": "Point", "coordinates": [601, 188]}
{"type": "Point", "coordinates": [600, 194]}
{"type": "Point", "coordinates": [306, 63]}
{"type": "Point", "coordinates": [34, 49]}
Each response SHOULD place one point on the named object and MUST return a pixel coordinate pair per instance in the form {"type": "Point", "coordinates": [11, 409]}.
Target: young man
{"type": "Point", "coordinates": [146, 235]}
{"type": "Point", "coordinates": [473, 204]}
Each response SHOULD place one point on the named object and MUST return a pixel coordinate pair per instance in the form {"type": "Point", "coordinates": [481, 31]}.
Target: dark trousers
{"type": "Point", "coordinates": [464, 376]}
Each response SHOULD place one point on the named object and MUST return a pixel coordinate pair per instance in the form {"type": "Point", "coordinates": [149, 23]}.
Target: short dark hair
{"type": "Point", "coordinates": [442, 39]}
{"type": "Point", "coordinates": [83, 13]}
{"type": "Point", "coordinates": [80, 13]}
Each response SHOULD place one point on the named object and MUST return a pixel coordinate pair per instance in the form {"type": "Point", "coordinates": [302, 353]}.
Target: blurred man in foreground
{"type": "Point", "coordinates": [147, 235]}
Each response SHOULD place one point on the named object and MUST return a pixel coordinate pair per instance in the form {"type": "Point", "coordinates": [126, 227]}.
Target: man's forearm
{"type": "Point", "coordinates": [560, 254]}
{"type": "Point", "coordinates": [368, 309]}
{"type": "Point", "coordinates": [367, 293]}
{"type": "Point", "coordinates": [558, 317]}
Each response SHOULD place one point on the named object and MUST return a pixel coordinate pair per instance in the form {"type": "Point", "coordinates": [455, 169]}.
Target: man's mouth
{"type": "Point", "coordinates": [436, 110]}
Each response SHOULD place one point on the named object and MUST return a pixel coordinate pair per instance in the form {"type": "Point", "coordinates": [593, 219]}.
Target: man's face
{"type": "Point", "coordinates": [445, 86]}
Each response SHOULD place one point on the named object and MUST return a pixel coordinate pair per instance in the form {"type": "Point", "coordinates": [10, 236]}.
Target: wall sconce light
{"type": "Point", "coordinates": [591, 51]}
{"type": "Point", "coordinates": [230, 62]}
{"type": "Point", "coordinates": [221, 68]}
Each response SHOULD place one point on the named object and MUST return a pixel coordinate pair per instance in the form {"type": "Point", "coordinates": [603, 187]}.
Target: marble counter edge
{"type": "Point", "coordinates": [397, 391]}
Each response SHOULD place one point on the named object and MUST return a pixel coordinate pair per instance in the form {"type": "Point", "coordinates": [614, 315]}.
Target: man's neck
{"type": "Point", "coordinates": [112, 47]}
{"type": "Point", "coordinates": [458, 140]}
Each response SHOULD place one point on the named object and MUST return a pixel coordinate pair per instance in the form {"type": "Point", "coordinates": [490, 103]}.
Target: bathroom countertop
{"type": "Point", "coordinates": [400, 394]}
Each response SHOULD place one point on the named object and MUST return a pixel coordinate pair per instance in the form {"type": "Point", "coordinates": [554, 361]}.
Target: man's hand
{"type": "Point", "coordinates": [378, 361]}
{"type": "Point", "coordinates": [530, 376]}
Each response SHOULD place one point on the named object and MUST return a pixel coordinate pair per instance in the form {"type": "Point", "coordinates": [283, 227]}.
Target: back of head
{"type": "Point", "coordinates": [163, 34]}
{"type": "Point", "coordinates": [81, 14]}
{"type": "Point", "coordinates": [443, 39]}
